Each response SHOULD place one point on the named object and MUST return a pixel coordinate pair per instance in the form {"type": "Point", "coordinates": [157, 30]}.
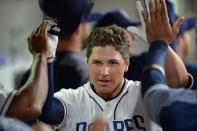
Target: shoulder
{"type": "Point", "coordinates": [72, 94]}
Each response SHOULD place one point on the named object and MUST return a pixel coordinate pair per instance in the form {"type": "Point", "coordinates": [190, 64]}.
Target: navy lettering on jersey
{"type": "Point", "coordinates": [129, 124]}
{"type": "Point", "coordinates": [118, 125]}
{"type": "Point", "coordinates": [138, 122]}
{"type": "Point", "coordinates": [81, 126]}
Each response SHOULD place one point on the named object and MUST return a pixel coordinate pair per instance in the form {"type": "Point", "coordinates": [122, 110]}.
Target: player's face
{"type": "Point", "coordinates": [106, 69]}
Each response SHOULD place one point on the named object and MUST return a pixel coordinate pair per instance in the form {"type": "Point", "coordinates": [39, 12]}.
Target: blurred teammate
{"type": "Point", "coordinates": [173, 109]}
{"type": "Point", "coordinates": [27, 102]}
{"type": "Point", "coordinates": [70, 67]}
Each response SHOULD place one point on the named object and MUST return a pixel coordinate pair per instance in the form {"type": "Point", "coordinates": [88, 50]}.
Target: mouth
{"type": "Point", "coordinates": [104, 82]}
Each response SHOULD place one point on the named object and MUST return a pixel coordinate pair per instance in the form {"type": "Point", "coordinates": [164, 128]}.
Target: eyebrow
{"type": "Point", "coordinates": [107, 60]}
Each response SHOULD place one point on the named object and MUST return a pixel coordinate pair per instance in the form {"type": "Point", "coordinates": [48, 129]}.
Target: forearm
{"type": "Point", "coordinates": [30, 99]}
{"type": "Point", "coordinates": [153, 72]}
{"type": "Point", "coordinates": [176, 73]}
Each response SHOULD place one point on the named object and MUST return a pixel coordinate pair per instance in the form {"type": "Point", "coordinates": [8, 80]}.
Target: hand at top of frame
{"type": "Point", "coordinates": [38, 40]}
{"type": "Point", "coordinates": [157, 23]}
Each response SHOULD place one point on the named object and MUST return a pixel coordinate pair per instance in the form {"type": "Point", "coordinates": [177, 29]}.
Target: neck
{"type": "Point", "coordinates": [113, 94]}
{"type": "Point", "coordinates": [73, 45]}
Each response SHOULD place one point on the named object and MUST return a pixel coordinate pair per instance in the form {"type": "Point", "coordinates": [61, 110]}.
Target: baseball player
{"type": "Point", "coordinates": [173, 109]}
{"type": "Point", "coordinates": [26, 103]}
{"type": "Point", "coordinates": [107, 94]}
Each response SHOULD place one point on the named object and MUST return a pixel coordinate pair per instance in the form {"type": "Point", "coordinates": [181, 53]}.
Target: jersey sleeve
{"type": "Point", "coordinates": [173, 109]}
{"type": "Point", "coordinates": [6, 97]}
{"type": "Point", "coordinates": [71, 100]}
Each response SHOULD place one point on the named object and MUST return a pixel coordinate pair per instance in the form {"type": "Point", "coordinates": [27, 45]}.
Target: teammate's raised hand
{"type": "Point", "coordinates": [38, 40]}
{"type": "Point", "coordinates": [157, 24]}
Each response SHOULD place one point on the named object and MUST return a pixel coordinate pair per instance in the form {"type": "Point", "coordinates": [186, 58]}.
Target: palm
{"type": "Point", "coordinates": [158, 26]}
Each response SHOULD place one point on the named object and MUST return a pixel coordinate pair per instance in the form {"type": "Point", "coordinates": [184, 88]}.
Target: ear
{"type": "Point", "coordinates": [127, 62]}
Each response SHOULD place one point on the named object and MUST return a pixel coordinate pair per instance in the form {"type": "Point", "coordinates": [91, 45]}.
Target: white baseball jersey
{"type": "Point", "coordinates": [125, 112]}
{"type": "Point", "coordinates": [6, 96]}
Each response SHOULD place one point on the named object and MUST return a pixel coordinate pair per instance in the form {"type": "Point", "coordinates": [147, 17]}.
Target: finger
{"type": "Point", "coordinates": [28, 39]}
{"type": "Point", "coordinates": [177, 25]}
{"type": "Point", "coordinates": [147, 24]}
{"type": "Point", "coordinates": [157, 9]}
{"type": "Point", "coordinates": [42, 29]}
{"type": "Point", "coordinates": [164, 11]}
{"type": "Point", "coordinates": [31, 35]}
{"type": "Point", "coordinates": [39, 28]}
{"type": "Point", "coordinates": [152, 11]}
{"type": "Point", "coordinates": [145, 17]}
{"type": "Point", "coordinates": [146, 20]}
{"type": "Point", "coordinates": [45, 29]}
{"type": "Point", "coordinates": [29, 46]}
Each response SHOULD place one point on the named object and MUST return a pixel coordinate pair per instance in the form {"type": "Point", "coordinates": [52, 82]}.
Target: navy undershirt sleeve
{"type": "Point", "coordinates": [156, 55]}
{"type": "Point", "coordinates": [53, 110]}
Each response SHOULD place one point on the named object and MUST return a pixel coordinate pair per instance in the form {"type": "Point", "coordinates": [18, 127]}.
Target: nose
{"type": "Point", "coordinates": [104, 70]}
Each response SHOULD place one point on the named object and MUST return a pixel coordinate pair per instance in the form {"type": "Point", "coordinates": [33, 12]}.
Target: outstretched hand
{"type": "Point", "coordinates": [157, 23]}
{"type": "Point", "coordinates": [38, 40]}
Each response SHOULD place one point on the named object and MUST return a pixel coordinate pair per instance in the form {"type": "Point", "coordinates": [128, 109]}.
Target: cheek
{"type": "Point", "coordinates": [118, 72]}
{"type": "Point", "coordinates": [92, 71]}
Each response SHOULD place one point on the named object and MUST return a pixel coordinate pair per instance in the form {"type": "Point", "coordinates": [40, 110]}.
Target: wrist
{"type": "Point", "coordinates": [40, 55]}
{"type": "Point", "coordinates": [51, 59]}
{"type": "Point", "coordinates": [157, 53]}
{"type": "Point", "coordinates": [188, 83]}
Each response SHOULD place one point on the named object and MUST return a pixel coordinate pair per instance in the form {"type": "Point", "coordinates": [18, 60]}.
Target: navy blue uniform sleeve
{"type": "Point", "coordinates": [156, 56]}
{"type": "Point", "coordinates": [53, 110]}
{"type": "Point", "coordinates": [173, 109]}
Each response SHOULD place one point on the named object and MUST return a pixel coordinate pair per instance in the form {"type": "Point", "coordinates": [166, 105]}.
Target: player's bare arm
{"type": "Point", "coordinates": [159, 28]}
{"type": "Point", "coordinates": [29, 100]}
{"type": "Point", "coordinates": [176, 73]}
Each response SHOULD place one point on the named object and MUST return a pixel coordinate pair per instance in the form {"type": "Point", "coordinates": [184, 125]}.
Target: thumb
{"type": "Point", "coordinates": [177, 25]}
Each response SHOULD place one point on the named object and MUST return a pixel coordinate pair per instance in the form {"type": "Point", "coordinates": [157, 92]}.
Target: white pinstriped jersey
{"type": "Point", "coordinates": [125, 112]}
{"type": "Point", "coordinates": [6, 96]}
